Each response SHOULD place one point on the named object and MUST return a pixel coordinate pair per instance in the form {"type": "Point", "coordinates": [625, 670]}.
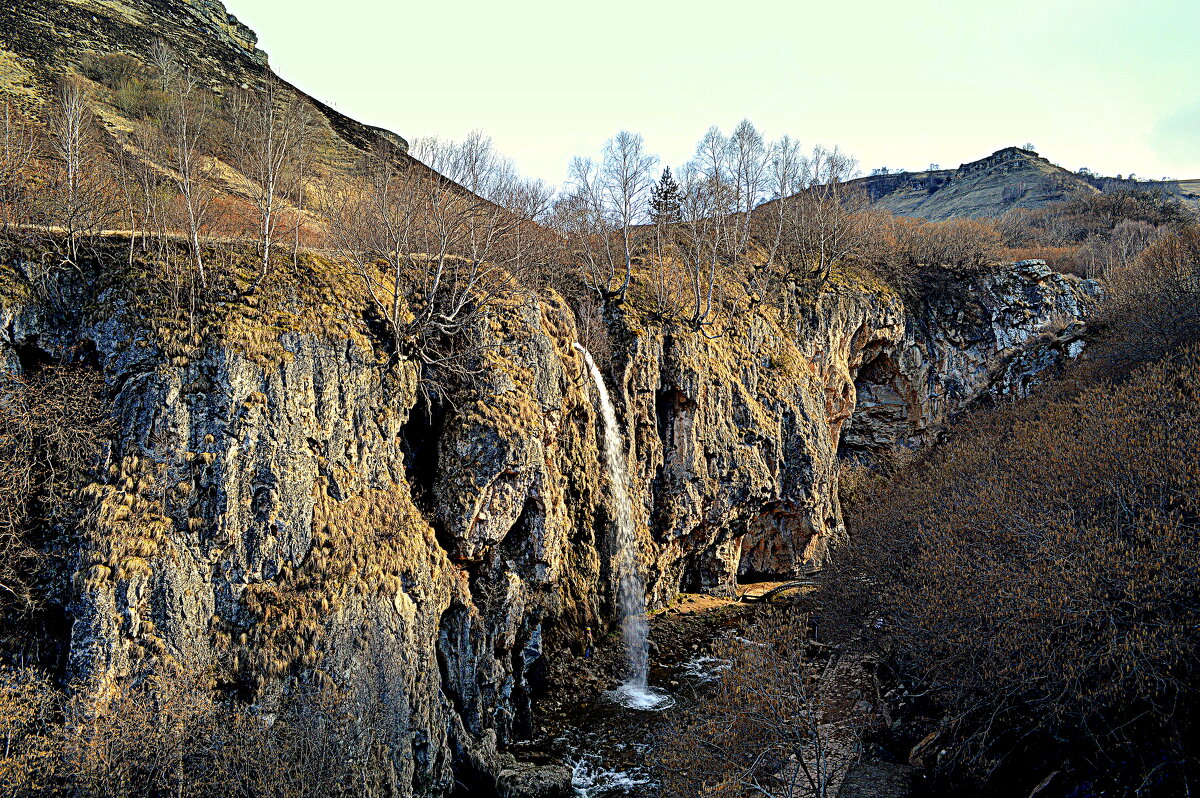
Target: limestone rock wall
{"type": "Point", "coordinates": [992, 336]}
{"type": "Point", "coordinates": [313, 515]}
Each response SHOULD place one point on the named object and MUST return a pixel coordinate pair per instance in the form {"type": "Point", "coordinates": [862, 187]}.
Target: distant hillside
{"type": "Point", "coordinates": [41, 41]}
{"type": "Point", "coordinates": [1006, 179]}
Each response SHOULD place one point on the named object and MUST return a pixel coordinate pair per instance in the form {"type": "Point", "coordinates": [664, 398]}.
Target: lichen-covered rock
{"type": "Point", "coordinates": [285, 504]}
{"type": "Point", "coordinates": [992, 335]}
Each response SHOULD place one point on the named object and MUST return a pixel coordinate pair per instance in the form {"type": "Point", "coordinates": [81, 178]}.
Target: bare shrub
{"type": "Point", "coordinates": [1046, 597]}
{"type": "Point", "coordinates": [113, 70]}
{"type": "Point", "coordinates": [772, 725]}
{"type": "Point", "coordinates": [1154, 303]}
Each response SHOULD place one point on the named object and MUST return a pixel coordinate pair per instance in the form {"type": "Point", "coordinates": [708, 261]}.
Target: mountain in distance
{"type": "Point", "coordinates": [1009, 178]}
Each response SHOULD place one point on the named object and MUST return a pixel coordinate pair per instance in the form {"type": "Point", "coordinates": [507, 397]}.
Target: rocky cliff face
{"type": "Point", "coordinates": [990, 337]}
{"type": "Point", "coordinates": [281, 503]}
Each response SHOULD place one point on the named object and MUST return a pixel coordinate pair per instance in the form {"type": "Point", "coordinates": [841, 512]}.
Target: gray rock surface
{"type": "Point", "coordinates": [305, 513]}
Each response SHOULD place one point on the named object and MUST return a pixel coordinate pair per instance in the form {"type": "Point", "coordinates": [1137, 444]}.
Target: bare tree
{"type": "Point", "coordinates": [786, 171]}
{"type": "Point", "coordinates": [824, 222]}
{"type": "Point", "coordinates": [475, 241]}
{"type": "Point", "coordinates": [126, 178]}
{"type": "Point", "coordinates": [457, 222]}
{"type": "Point", "coordinates": [79, 197]}
{"type": "Point", "coordinates": [748, 161]}
{"type": "Point", "coordinates": [17, 148]}
{"type": "Point", "coordinates": [181, 147]}
{"type": "Point", "coordinates": [304, 159]}
{"type": "Point", "coordinates": [438, 241]}
{"type": "Point", "coordinates": [531, 252]}
{"type": "Point", "coordinates": [605, 206]}
{"type": "Point", "coordinates": [148, 171]}
{"type": "Point", "coordinates": [268, 134]}
{"type": "Point", "coordinates": [165, 65]}
{"type": "Point", "coordinates": [373, 224]}
{"type": "Point", "coordinates": [702, 237]}
{"type": "Point", "coordinates": [711, 233]}
{"type": "Point", "coordinates": [580, 214]}
{"type": "Point", "coordinates": [626, 174]}
{"type": "Point", "coordinates": [770, 726]}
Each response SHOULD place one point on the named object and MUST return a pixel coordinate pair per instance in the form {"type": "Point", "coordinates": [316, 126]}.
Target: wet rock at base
{"type": "Point", "coordinates": [524, 780]}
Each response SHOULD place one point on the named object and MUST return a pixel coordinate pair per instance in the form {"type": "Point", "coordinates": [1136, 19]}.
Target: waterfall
{"type": "Point", "coordinates": [631, 591]}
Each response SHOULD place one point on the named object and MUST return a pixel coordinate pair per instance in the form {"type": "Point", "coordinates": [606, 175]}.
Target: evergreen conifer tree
{"type": "Point", "coordinates": [666, 200]}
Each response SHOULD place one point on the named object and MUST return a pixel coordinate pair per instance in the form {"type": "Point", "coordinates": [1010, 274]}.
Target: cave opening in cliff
{"type": "Point", "coordinates": [880, 413]}
{"type": "Point", "coordinates": [419, 438]}
{"type": "Point", "coordinates": [31, 357]}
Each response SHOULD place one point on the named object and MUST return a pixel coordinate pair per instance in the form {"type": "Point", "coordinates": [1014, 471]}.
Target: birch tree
{"type": "Point", "coordinates": [269, 131]}
{"type": "Point", "coordinates": [829, 221]}
{"type": "Point", "coordinates": [79, 199]}
{"type": "Point", "coordinates": [605, 205]}
{"type": "Point", "coordinates": [627, 179]}
{"type": "Point", "coordinates": [181, 147]}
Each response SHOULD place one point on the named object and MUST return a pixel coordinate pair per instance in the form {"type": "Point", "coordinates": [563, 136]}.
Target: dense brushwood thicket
{"type": "Point", "coordinates": [1047, 599]}
{"type": "Point", "coordinates": [170, 734]}
{"type": "Point", "coordinates": [771, 722]}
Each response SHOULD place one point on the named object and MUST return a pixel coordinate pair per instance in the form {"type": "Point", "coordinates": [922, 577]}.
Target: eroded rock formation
{"type": "Point", "coordinates": [287, 505]}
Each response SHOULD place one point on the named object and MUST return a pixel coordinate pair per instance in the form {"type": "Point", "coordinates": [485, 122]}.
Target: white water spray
{"type": "Point", "coordinates": [631, 592]}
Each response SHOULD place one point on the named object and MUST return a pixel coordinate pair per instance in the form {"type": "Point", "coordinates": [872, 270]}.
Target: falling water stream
{"type": "Point", "coordinates": [635, 692]}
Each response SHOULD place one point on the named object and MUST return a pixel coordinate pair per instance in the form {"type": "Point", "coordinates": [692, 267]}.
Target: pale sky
{"type": "Point", "coordinates": [1113, 85]}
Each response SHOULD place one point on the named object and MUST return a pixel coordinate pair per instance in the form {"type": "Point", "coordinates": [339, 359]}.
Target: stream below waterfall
{"type": "Point", "coordinates": [604, 714]}
{"type": "Point", "coordinates": [608, 745]}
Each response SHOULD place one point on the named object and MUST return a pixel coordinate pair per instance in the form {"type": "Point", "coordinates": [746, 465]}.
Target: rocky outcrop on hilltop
{"type": "Point", "coordinates": [228, 29]}
{"type": "Point", "coordinates": [283, 501]}
{"type": "Point", "coordinates": [1006, 179]}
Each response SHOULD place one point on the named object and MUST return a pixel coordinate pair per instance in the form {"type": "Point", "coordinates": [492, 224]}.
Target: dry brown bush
{"type": "Point", "coordinates": [956, 243]}
{"type": "Point", "coordinates": [52, 428]}
{"type": "Point", "coordinates": [1090, 216]}
{"type": "Point", "coordinates": [774, 725]}
{"type": "Point", "coordinates": [1154, 303]}
{"type": "Point", "coordinates": [1047, 597]}
{"type": "Point", "coordinates": [1064, 260]}
{"type": "Point", "coordinates": [170, 733]}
